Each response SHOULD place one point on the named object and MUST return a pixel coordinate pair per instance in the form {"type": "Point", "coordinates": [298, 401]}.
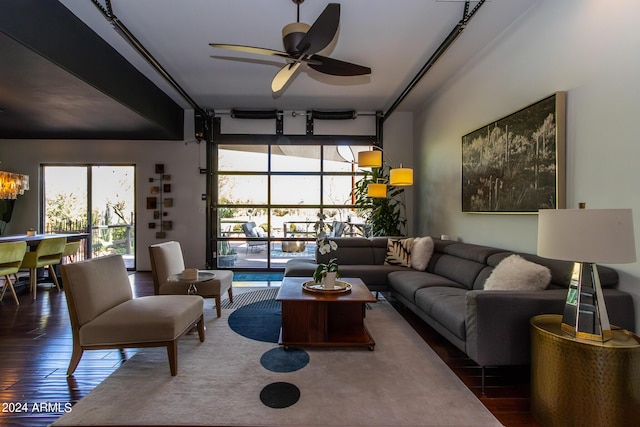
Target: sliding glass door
{"type": "Point", "coordinates": [95, 199]}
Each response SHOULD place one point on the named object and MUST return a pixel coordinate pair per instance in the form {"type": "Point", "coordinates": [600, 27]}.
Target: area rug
{"type": "Point", "coordinates": [232, 380]}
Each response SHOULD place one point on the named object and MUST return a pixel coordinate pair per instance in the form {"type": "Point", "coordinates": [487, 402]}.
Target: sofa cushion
{"type": "Point", "coordinates": [516, 273]}
{"type": "Point", "coordinates": [446, 305]}
{"type": "Point", "coordinates": [374, 276]}
{"type": "Point", "coordinates": [399, 252]}
{"type": "Point", "coordinates": [460, 270]}
{"type": "Point", "coordinates": [408, 282]}
{"type": "Point", "coordinates": [421, 252]}
{"type": "Point", "coordinates": [354, 251]}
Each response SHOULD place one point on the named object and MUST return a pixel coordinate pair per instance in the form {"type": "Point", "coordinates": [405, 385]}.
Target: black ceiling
{"type": "Point", "coordinates": [60, 80]}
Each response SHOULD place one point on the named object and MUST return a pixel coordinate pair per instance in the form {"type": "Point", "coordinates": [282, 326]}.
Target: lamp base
{"type": "Point", "coordinates": [585, 314]}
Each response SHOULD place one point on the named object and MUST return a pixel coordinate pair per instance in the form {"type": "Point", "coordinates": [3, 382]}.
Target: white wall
{"type": "Point", "coordinates": [585, 47]}
{"type": "Point", "coordinates": [182, 161]}
{"type": "Point", "coordinates": [397, 139]}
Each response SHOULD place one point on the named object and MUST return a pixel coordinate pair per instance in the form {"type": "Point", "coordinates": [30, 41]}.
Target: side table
{"type": "Point", "coordinates": [580, 382]}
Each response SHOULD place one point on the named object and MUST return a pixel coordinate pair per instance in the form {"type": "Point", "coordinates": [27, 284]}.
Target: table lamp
{"type": "Point", "coordinates": [586, 237]}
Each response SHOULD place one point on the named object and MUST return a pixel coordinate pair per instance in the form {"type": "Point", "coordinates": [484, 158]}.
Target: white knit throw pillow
{"type": "Point", "coordinates": [516, 273]}
{"type": "Point", "coordinates": [421, 253]}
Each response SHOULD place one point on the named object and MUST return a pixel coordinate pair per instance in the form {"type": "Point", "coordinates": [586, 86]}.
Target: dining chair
{"type": "Point", "coordinates": [70, 251]}
{"type": "Point", "coordinates": [47, 254]}
{"type": "Point", "coordinates": [11, 255]}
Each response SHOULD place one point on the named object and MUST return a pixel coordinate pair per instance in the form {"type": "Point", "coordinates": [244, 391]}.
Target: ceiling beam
{"type": "Point", "coordinates": [52, 31]}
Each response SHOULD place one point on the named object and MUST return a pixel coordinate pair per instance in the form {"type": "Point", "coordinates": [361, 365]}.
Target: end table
{"type": "Point", "coordinates": [581, 382]}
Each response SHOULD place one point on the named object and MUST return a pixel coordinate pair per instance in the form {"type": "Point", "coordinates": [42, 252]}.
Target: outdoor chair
{"type": "Point", "coordinates": [105, 315]}
{"type": "Point", "coordinates": [252, 231]}
{"type": "Point", "coordinates": [167, 261]}
{"type": "Point", "coordinates": [337, 229]}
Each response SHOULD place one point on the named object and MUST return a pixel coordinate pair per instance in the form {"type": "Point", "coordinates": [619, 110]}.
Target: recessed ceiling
{"type": "Point", "coordinates": [394, 38]}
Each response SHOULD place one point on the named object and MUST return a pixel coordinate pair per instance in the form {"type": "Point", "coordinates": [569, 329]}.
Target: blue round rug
{"type": "Point", "coordinates": [279, 360]}
{"type": "Point", "coordinates": [257, 322]}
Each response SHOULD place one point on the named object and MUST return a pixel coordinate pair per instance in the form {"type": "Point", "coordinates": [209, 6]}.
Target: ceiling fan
{"type": "Point", "coordinates": [301, 44]}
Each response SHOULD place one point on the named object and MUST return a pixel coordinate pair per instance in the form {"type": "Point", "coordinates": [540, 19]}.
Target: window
{"type": "Point", "coordinates": [100, 195]}
{"type": "Point", "coordinates": [274, 198]}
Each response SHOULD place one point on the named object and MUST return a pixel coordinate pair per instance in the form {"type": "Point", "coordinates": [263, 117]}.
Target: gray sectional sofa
{"type": "Point", "coordinates": [490, 326]}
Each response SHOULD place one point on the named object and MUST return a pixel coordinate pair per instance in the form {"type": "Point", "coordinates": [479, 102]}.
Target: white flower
{"type": "Point", "coordinates": [333, 245]}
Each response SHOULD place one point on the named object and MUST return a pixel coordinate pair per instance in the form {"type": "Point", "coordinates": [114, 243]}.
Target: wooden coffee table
{"type": "Point", "coordinates": [324, 319]}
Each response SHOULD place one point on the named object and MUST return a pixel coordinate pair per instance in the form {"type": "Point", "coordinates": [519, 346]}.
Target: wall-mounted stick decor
{"type": "Point", "coordinates": [158, 204]}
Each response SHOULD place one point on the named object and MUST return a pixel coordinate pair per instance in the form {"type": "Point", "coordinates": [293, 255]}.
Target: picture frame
{"type": "Point", "coordinates": [516, 164]}
{"type": "Point", "coordinates": [166, 188]}
{"type": "Point", "coordinates": [168, 202]}
{"type": "Point", "coordinates": [160, 168]}
{"type": "Point", "coordinates": [152, 202]}
{"type": "Point", "coordinates": [155, 190]}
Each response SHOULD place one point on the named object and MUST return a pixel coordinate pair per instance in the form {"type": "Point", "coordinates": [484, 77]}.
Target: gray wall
{"type": "Point", "coordinates": [584, 47]}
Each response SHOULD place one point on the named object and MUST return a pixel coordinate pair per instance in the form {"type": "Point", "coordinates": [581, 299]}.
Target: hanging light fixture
{"type": "Point", "coordinates": [401, 177]}
{"type": "Point", "coordinates": [13, 184]}
{"type": "Point", "coordinates": [370, 159]}
{"type": "Point", "coordinates": [398, 177]}
{"type": "Point", "coordinates": [377, 189]}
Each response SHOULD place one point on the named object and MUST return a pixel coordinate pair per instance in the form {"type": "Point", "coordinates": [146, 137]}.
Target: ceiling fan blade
{"type": "Point", "coordinates": [283, 76]}
{"type": "Point", "coordinates": [322, 31]}
{"type": "Point", "coordinates": [254, 50]}
{"type": "Point", "coordinates": [336, 67]}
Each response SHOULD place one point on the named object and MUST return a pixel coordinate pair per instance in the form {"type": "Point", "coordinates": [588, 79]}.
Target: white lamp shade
{"type": "Point", "coordinates": [401, 177]}
{"type": "Point", "coordinates": [370, 159]}
{"type": "Point", "coordinates": [377, 190]}
{"type": "Point", "coordinates": [587, 235]}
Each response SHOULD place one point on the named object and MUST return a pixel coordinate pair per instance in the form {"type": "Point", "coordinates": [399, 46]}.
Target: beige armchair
{"type": "Point", "coordinates": [105, 315]}
{"type": "Point", "coordinates": [166, 261]}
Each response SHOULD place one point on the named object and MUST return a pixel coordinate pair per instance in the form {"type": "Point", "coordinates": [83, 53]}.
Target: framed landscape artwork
{"type": "Point", "coordinates": [517, 164]}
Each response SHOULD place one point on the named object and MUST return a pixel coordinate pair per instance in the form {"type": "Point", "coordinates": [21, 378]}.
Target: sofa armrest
{"type": "Point", "coordinates": [497, 322]}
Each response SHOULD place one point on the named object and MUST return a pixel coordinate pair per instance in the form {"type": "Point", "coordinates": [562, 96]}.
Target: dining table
{"type": "Point", "coordinates": [33, 241]}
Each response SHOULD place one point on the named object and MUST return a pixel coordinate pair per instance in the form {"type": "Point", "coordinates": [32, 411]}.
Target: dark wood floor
{"type": "Point", "coordinates": [35, 347]}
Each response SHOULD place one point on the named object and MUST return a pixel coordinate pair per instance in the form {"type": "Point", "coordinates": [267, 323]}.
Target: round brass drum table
{"type": "Point", "coordinates": [575, 382]}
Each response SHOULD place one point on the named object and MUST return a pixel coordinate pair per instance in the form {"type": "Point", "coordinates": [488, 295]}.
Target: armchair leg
{"type": "Point", "coordinates": [75, 359]}
{"type": "Point", "coordinates": [201, 328]}
{"type": "Point", "coordinates": [218, 299]}
{"type": "Point", "coordinates": [172, 353]}
{"type": "Point", "coordinates": [230, 292]}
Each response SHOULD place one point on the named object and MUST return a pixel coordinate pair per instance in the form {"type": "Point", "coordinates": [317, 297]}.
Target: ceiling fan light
{"type": "Point", "coordinates": [401, 177]}
{"type": "Point", "coordinates": [295, 27]}
{"type": "Point", "coordinates": [292, 34]}
{"type": "Point", "coordinates": [370, 159]}
{"type": "Point", "coordinates": [377, 190]}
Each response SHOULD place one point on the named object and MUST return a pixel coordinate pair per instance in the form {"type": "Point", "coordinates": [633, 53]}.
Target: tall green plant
{"type": "Point", "coordinates": [382, 216]}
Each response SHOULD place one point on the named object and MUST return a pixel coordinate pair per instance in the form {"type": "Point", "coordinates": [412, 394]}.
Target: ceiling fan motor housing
{"type": "Point", "coordinates": [292, 34]}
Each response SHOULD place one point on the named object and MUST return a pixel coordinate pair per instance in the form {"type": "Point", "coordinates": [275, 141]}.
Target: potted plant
{"type": "Point", "coordinates": [382, 216]}
{"type": "Point", "coordinates": [326, 273]}
{"type": "Point", "coordinates": [227, 256]}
